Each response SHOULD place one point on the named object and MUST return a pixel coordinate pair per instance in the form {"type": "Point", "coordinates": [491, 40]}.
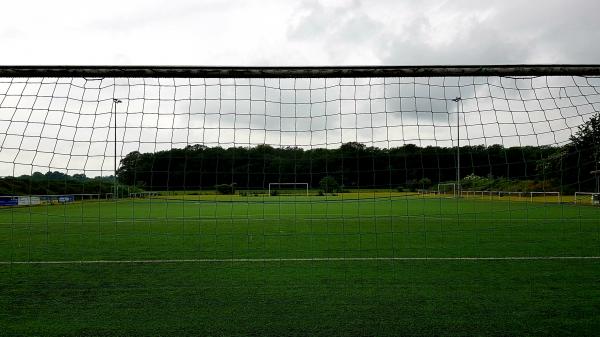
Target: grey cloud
{"type": "Point", "coordinates": [386, 32]}
{"type": "Point", "coordinates": [340, 24]}
{"type": "Point", "coordinates": [486, 33]}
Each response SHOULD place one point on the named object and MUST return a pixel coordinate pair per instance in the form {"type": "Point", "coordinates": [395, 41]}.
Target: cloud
{"type": "Point", "coordinates": [295, 32]}
{"type": "Point", "coordinates": [70, 129]}
{"type": "Point", "coordinates": [449, 32]}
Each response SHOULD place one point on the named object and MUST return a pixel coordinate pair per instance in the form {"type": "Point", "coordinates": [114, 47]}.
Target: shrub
{"type": "Point", "coordinates": [412, 185]}
{"type": "Point", "coordinates": [424, 183]}
{"type": "Point", "coordinates": [329, 184]}
{"type": "Point", "coordinates": [225, 188]}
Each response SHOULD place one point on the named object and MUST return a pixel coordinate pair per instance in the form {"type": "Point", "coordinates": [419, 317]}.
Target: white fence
{"type": "Point", "coordinates": [524, 195]}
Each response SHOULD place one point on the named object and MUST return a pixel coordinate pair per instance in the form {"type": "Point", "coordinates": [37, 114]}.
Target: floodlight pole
{"type": "Point", "coordinates": [596, 174]}
{"type": "Point", "coordinates": [457, 100]}
{"type": "Point", "coordinates": [115, 102]}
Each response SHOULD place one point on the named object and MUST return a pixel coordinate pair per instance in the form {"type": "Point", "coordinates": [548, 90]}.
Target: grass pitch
{"type": "Point", "coordinates": [208, 265]}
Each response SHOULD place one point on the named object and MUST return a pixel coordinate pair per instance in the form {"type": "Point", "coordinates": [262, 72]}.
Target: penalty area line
{"type": "Point", "coordinates": [316, 259]}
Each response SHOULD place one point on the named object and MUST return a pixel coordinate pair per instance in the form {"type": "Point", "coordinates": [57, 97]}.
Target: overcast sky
{"type": "Point", "coordinates": [67, 124]}
{"type": "Point", "coordinates": [298, 32]}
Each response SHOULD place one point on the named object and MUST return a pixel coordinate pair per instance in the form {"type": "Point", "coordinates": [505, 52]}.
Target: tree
{"type": "Point", "coordinates": [587, 142]}
{"type": "Point", "coordinates": [571, 164]}
{"type": "Point", "coordinates": [588, 134]}
{"type": "Point", "coordinates": [127, 172]}
{"type": "Point", "coordinates": [328, 184]}
{"type": "Point", "coordinates": [225, 188]}
{"type": "Point", "coordinates": [425, 183]}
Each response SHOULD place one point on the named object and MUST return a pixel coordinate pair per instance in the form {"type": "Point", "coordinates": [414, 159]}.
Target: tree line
{"type": "Point", "coordinates": [565, 168]}
{"type": "Point", "coordinates": [54, 182]}
{"type": "Point", "coordinates": [354, 165]}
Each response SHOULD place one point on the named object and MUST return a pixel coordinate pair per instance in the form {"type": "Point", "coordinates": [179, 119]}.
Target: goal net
{"type": "Point", "coordinates": [178, 166]}
{"type": "Point", "coordinates": [545, 196]}
{"type": "Point", "coordinates": [587, 198]}
{"type": "Point", "coordinates": [447, 190]}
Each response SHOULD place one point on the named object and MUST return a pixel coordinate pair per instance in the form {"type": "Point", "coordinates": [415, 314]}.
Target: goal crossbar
{"type": "Point", "coordinates": [544, 194]}
{"type": "Point", "coordinates": [304, 72]}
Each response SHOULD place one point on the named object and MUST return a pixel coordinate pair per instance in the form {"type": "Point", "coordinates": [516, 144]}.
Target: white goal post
{"type": "Point", "coordinates": [594, 197]}
{"type": "Point", "coordinates": [444, 189]}
{"type": "Point", "coordinates": [272, 186]}
{"type": "Point", "coordinates": [544, 194]}
{"type": "Point", "coordinates": [492, 194]}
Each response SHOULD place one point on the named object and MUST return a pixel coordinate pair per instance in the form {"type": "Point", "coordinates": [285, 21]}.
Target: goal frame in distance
{"type": "Point", "coordinates": [454, 189]}
{"type": "Point", "coordinates": [288, 184]}
{"type": "Point", "coordinates": [591, 194]}
{"type": "Point", "coordinates": [544, 194]}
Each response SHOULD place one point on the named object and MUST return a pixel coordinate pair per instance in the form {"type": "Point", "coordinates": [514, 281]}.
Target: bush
{"type": "Point", "coordinates": [329, 184]}
{"type": "Point", "coordinates": [475, 182]}
{"type": "Point", "coordinates": [412, 185]}
{"type": "Point", "coordinates": [225, 188]}
{"type": "Point", "coordinates": [424, 183]}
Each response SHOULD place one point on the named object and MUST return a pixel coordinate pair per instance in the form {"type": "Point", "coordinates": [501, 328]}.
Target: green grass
{"type": "Point", "coordinates": [277, 298]}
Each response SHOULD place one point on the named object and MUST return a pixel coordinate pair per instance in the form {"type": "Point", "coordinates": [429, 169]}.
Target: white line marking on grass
{"type": "Point", "coordinates": [316, 259]}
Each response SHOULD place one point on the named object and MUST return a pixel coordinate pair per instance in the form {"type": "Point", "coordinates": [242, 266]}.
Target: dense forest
{"type": "Point", "coordinates": [353, 165]}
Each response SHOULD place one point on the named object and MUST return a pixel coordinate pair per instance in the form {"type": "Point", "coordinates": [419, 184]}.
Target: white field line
{"type": "Point", "coordinates": [463, 217]}
{"type": "Point", "coordinates": [316, 259]}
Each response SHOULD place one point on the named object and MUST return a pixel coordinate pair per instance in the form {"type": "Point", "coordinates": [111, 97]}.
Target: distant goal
{"type": "Point", "coordinates": [587, 198]}
{"type": "Point", "coordinates": [542, 196]}
{"type": "Point", "coordinates": [448, 190]}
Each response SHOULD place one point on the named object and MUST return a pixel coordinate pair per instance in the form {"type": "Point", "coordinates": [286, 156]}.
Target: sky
{"type": "Point", "coordinates": [299, 32]}
{"type": "Point", "coordinates": [67, 124]}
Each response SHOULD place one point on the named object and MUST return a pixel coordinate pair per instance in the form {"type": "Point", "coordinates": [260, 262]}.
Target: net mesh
{"type": "Point", "coordinates": [195, 158]}
{"type": "Point", "coordinates": [68, 124]}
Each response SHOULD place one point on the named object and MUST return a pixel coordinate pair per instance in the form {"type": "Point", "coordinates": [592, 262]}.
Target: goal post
{"type": "Point", "coordinates": [447, 190]}
{"type": "Point", "coordinates": [296, 124]}
{"type": "Point", "coordinates": [288, 189]}
{"type": "Point", "coordinates": [586, 198]}
{"type": "Point", "coordinates": [378, 132]}
{"type": "Point", "coordinates": [368, 170]}
{"type": "Point", "coordinates": [543, 196]}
